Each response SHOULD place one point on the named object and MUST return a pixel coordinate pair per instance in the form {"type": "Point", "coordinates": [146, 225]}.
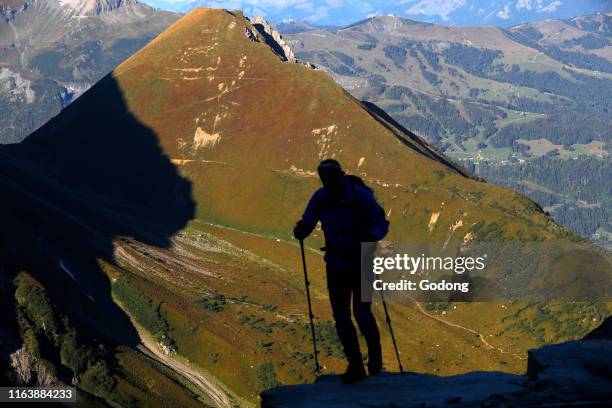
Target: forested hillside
{"type": "Point", "coordinates": [578, 192]}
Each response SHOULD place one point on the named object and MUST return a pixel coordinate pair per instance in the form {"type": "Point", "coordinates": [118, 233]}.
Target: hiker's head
{"type": "Point", "coordinates": [332, 177]}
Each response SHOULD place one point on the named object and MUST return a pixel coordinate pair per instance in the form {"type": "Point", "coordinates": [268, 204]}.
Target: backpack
{"type": "Point", "coordinates": [358, 181]}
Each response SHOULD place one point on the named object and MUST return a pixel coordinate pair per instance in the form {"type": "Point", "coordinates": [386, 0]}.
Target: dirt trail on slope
{"type": "Point", "coordinates": [221, 398]}
{"type": "Point", "coordinates": [480, 336]}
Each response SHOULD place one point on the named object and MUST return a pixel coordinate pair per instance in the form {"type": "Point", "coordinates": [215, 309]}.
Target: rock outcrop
{"type": "Point", "coordinates": [575, 372]}
{"type": "Point", "coordinates": [28, 371]}
{"type": "Point", "coordinates": [273, 39]}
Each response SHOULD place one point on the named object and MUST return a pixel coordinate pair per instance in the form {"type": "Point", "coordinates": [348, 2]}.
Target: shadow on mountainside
{"type": "Point", "coordinates": [575, 373]}
{"type": "Point", "coordinates": [410, 139]}
{"type": "Point", "coordinates": [91, 175]}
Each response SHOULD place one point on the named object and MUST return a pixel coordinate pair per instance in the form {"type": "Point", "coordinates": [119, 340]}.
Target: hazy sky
{"type": "Point", "coordinates": [463, 12]}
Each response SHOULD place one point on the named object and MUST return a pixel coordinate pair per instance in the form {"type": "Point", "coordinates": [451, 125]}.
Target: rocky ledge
{"type": "Point", "coordinates": [575, 373]}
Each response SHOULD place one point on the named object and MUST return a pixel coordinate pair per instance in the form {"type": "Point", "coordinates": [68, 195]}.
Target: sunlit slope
{"type": "Point", "coordinates": [249, 129]}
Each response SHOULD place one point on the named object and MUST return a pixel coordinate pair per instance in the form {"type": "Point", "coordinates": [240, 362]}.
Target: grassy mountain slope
{"type": "Point", "coordinates": [156, 210]}
{"type": "Point", "coordinates": [493, 98]}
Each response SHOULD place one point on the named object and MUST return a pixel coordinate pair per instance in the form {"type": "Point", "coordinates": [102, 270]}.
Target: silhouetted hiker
{"type": "Point", "coordinates": [349, 215]}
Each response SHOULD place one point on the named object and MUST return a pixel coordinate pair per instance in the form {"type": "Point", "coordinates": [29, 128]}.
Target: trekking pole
{"type": "Point", "coordinates": [399, 362]}
{"type": "Point", "coordinates": [310, 315]}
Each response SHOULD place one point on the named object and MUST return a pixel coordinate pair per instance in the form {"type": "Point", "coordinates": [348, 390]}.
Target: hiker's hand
{"type": "Point", "coordinates": [300, 231]}
{"type": "Point", "coordinates": [385, 248]}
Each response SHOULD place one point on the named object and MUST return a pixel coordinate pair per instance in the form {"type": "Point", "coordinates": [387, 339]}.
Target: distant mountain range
{"type": "Point", "coordinates": [51, 51]}
{"type": "Point", "coordinates": [513, 104]}
{"type": "Point", "coordinates": [455, 12]}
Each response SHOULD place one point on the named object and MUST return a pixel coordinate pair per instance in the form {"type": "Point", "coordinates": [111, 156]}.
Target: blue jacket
{"type": "Point", "coordinates": [356, 218]}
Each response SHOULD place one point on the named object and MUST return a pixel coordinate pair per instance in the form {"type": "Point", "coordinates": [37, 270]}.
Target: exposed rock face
{"type": "Point", "coordinates": [250, 34]}
{"type": "Point", "coordinates": [74, 8]}
{"type": "Point", "coordinates": [273, 39]}
{"type": "Point", "coordinates": [15, 87]}
{"type": "Point", "coordinates": [97, 7]}
{"type": "Point", "coordinates": [28, 371]}
{"type": "Point", "coordinates": [570, 372]}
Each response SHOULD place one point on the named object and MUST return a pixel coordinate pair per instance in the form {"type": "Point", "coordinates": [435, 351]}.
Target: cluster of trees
{"type": "Point", "coordinates": [427, 52]}
{"type": "Point", "coordinates": [430, 56]}
{"type": "Point", "coordinates": [422, 125]}
{"type": "Point", "coordinates": [527, 35]}
{"type": "Point", "coordinates": [567, 128]}
{"type": "Point", "coordinates": [589, 42]}
{"type": "Point", "coordinates": [596, 24]}
{"type": "Point", "coordinates": [579, 189]}
{"type": "Point", "coordinates": [579, 59]}
{"type": "Point", "coordinates": [484, 116]}
{"type": "Point", "coordinates": [396, 54]}
{"type": "Point", "coordinates": [530, 36]}
{"type": "Point", "coordinates": [366, 46]}
{"type": "Point", "coordinates": [18, 118]}
{"type": "Point", "coordinates": [584, 93]}
{"type": "Point", "coordinates": [266, 376]}
{"type": "Point", "coordinates": [146, 311]}
{"type": "Point", "coordinates": [344, 58]}
{"type": "Point", "coordinates": [429, 76]}
{"type": "Point", "coordinates": [53, 340]}
{"type": "Point", "coordinates": [436, 115]}
{"type": "Point", "coordinates": [473, 60]}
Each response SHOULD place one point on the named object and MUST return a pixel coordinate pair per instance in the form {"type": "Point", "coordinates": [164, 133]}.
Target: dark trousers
{"type": "Point", "coordinates": [345, 288]}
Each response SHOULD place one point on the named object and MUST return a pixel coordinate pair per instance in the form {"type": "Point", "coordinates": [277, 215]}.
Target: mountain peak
{"type": "Point", "coordinates": [95, 6]}
{"type": "Point", "coordinates": [388, 23]}
{"type": "Point", "coordinates": [72, 8]}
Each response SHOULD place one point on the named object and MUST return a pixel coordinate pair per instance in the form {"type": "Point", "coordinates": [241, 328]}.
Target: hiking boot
{"type": "Point", "coordinates": [374, 363]}
{"type": "Point", "coordinates": [354, 373]}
